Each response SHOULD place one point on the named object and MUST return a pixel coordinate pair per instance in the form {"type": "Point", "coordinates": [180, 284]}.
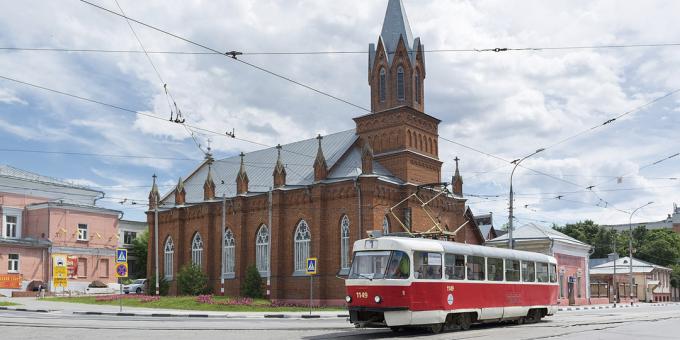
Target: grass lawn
{"type": "Point", "coordinates": [7, 303]}
{"type": "Point", "coordinates": [189, 303]}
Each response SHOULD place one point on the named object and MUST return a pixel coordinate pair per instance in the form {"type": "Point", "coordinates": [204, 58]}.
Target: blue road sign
{"type": "Point", "coordinates": [311, 266]}
{"type": "Point", "coordinates": [121, 255]}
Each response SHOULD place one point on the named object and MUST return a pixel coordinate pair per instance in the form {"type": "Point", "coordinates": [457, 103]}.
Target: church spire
{"type": "Point", "coordinates": [320, 167]}
{"type": "Point", "coordinates": [154, 195]}
{"type": "Point", "coordinates": [279, 171]}
{"type": "Point", "coordinates": [180, 193]}
{"type": "Point", "coordinates": [209, 185]}
{"type": "Point", "coordinates": [396, 26]}
{"type": "Point", "coordinates": [242, 178]}
{"type": "Point", "coordinates": [457, 180]}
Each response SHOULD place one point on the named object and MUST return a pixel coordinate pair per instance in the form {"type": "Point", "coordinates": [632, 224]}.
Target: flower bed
{"type": "Point", "coordinates": [116, 297]}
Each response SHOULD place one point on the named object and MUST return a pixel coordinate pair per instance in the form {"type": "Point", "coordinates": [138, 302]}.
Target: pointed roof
{"type": "Point", "coordinates": [209, 178]}
{"type": "Point", "coordinates": [396, 25]}
{"type": "Point", "coordinates": [320, 159]}
{"type": "Point", "coordinates": [242, 170]}
{"type": "Point", "coordinates": [180, 185]}
{"type": "Point", "coordinates": [623, 266]}
{"type": "Point", "coordinates": [279, 168]}
{"type": "Point", "coordinates": [154, 187]}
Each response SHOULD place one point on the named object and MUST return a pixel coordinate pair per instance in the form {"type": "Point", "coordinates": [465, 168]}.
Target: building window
{"type": "Point", "coordinates": [386, 225]}
{"type": "Point", "coordinates": [13, 263]}
{"type": "Point", "coordinates": [417, 86]}
{"type": "Point", "coordinates": [229, 253]}
{"type": "Point", "coordinates": [129, 237]}
{"type": "Point", "coordinates": [262, 250]}
{"type": "Point", "coordinates": [400, 83]}
{"type": "Point", "coordinates": [383, 85]}
{"type": "Point", "coordinates": [10, 227]}
{"type": "Point", "coordinates": [82, 232]}
{"type": "Point", "coordinates": [302, 239]}
{"type": "Point", "coordinates": [562, 285]}
{"type": "Point", "coordinates": [104, 268]}
{"type": "Point", "coordinates": [169, 254]}
{"type": "Point", "coordinates": [82, 267]}
{"type": "Point", "coordinates": [197, 250]}
{"type": "Point", "coordinates": [344, 242]}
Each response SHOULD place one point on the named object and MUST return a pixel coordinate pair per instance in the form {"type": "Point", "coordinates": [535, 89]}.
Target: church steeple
{"type": "Point", "coordinates": [396, 66]}
{"type": "Point", "coordinates": [209, 184]}
{"type": "Point", "coordinates": [320, 167]}
{"type": "Point", "coordinates": [457, 180]}
{"type": "Point", "coordinates": [154, 195]}
{"type": "Point", "coordinates": [279, 170]}
{"type": "Point", "coordinates": [180, 193]}
{"type": "Point", "coordinates": [242, 178]}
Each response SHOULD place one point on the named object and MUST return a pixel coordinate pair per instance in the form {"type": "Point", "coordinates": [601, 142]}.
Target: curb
{"type": "Point", "coordinates": [19, 309]}
{"type": "Point", "coordinates": [225, 316]}
{"type": "Point", "coordinates": [568, 309]}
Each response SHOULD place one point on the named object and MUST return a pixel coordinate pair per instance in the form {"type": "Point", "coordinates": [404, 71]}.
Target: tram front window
{"type": "Point", "coordinates": [380, 265]}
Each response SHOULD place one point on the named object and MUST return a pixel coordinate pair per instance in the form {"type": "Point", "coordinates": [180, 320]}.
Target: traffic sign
{"type": "Point", "coordinates": [121, 269]}
{"type": "Point", "coordinates": [311, 266]}
{"type": "Point", "coordinates": [121, 255]}
{"type": "Point", "coordinates": [59, 270]}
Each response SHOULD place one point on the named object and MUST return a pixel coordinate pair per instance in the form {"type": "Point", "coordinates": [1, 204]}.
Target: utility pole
{"type": "Point", "coordinates": [155, 239]}
{"type": "Point", "coordinates": [511, 244]}
{"type": "Point", "coordinates": [616, 257]}
{"type": "Point", "coordinates": [630, 250]}
{"type": "Point", "coordinates": [224, 226]}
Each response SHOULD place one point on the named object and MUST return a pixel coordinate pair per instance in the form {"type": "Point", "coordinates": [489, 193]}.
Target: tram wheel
{"type": "Point", "coordinates": [534, 316]}
{"type": "Point", "coordinates": [465, 321]}
{"type": "Point", "coordinates": [436, 328]}
{"type": "Point", "coordinates": [396, 329]}
{"type": "Point", "coordinates": [520, 321]}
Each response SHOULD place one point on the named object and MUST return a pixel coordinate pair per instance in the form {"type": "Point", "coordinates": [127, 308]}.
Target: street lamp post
{"type": "Point", "coordinates": [511, 244]}
{"type": "Point", "coordinates": [630, 249]}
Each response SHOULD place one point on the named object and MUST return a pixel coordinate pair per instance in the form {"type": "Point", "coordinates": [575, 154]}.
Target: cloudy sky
{"type": "Point", "coordinates": [507, 104]}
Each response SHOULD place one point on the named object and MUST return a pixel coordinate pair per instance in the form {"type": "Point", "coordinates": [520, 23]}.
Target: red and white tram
{"type": "Point", "coordinates": [398, 281]}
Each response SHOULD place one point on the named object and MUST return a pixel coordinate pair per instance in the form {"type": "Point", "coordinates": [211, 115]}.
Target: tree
{"type": "Point", "coordinates": [192, 281]}
{"type": "Point", "coordinates": [659, 246]}
{"type": "Point", "coordinates": [588, 232]}
{"type": "Point", "coordinates": [675, 276]}
{"type": "Point", "coordinates": [252, 286]}
{"type": "Point", "coordinates": [139, 249]}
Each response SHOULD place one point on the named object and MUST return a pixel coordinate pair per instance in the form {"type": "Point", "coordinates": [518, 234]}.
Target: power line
{"type": "Point", "coordinates": [441, 50]}
{"type": "Point", "coordinates": [86, 154]}
{"type": "Point", "coordinates": [232, 55]}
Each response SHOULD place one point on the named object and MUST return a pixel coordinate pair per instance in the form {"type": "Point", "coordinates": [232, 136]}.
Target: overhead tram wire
{"type": "Point", "coordinates": [232, 55]}
{"type": "Point", "coordinates": [256, 53]}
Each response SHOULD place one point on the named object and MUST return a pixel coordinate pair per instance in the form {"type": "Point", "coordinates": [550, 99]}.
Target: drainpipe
{"type": "Point", "coordinates": [361, 214]}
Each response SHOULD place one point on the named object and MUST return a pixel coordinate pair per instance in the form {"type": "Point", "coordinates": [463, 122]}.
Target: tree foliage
{"type": "Point", "coordinates": [588, 232]}
{"type": "Point", "coordinates": [140, 249]}
{"type": "Point", "coordinates": [252, 285]}
{"type": "Point", "coordinates": [192, 281]}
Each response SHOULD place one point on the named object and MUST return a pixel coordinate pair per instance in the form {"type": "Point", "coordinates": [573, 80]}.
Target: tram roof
{"type": "Point", "coordinates": [422, 244]}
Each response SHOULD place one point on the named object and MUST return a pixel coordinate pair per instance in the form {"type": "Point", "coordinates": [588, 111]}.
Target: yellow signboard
{"type": "Point", "coordinates": [60, 270]}
{"type": "Point", "coordinates": [311, 266]}
{"type": "Point", "coordinates": [122, 269]}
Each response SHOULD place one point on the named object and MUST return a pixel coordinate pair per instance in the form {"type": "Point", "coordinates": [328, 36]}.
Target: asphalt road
{"type": "Point", "coordinates": [646, 322]}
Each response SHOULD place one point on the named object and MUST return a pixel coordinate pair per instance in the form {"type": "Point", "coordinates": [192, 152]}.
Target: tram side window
{"type": "Point", "coordinates": [495, 269]}
{"type": "Point", "coordinates": [528, 271]}
{"type": "Point", "coordinates": [399, 266]}
{"type": "Point", "coordinates": [475, 268]}
{"type": "Point", "coordinates": [553, 273]}
{"type": "Point", "coordinates": [512, 270]}
{"type": "Point", "coordinates": [455, 267]}
{"type": "Point", "coordinates": [542, 272]}
{"type": "Point", "coordinates": [427, 266]}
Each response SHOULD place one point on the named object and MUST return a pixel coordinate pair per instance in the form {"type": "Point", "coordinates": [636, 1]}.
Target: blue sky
{"type": "Point", "coordinates": [507, 104]}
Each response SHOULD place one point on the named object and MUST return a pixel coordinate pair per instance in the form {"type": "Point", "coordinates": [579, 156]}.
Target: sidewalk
{"type": "Point", "coordinates": [34, 305]}
{"type": "Point", "coordinates": [611, 306]}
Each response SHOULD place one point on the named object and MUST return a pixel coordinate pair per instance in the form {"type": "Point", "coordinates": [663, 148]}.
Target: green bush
{"type": "Point", "coordinates": [163, 286]}
{"type": "Point", "coordinates": [252, 285]}
{"type": "Point", "coordinates": [192, 281]}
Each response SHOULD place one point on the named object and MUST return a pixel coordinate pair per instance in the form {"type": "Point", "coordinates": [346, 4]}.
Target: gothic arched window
{"type": "Point", "coordinates": [229, 253]}
{"type": "Point", "coordinates": [400, 84]}
{"type": "Point", "coordinates": [302, 239]}
{"type": "Point", "coordinates": [417, 86]}
{"type": "Point", "coordinates": [344, 242]}
{"type": "Point", "coordinates": [168, 258]}
{"type": "Point", "coordinates": [197, 250]}
{"type": "Point", "coordinates": [383, 85]}
{"type": "Point", "coordinates": [386, 225]}
{"type": "Point", "coordinates": [262, 250]}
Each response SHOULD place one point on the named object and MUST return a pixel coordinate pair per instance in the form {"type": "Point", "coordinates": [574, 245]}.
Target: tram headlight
{"type": "Point", "coordinates": [377, 299]}
{"type": "Point", "coordinates": [348, 299]}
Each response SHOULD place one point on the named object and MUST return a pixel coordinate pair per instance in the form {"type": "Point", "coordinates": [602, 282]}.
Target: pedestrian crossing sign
{"type": "Point", "coordinates": [121, 255]}
{"type": "Point", "coordinates": [311, 266]}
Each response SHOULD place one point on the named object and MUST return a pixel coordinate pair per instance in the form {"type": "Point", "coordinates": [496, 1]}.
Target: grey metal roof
{"type": "Point", "coordinates": [25, 242]}
{"type": "Point", "coordinates": [350, 166]}
{"type": "Point", "coordinates": [12, 172]}
{"type": "Point", "coordinates": [485, 229]}
{"type": "Point", "coordinates": [297, 157]}
{"type": "Point", "coordinates": [395, 26]}
{"type": "Point", "coordinates": [623, 266]}
{"type": "Point", "coordinates": [536, 232]}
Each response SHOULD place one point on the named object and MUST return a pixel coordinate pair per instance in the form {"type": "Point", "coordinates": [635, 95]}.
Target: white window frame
{"type": "Point", "coordinates": [11, 227]}
{"type": "Point", "coordinates": [344, 242]}
{"type": "Point", "coordinates": [11, 212]}
{"type": "Point", "coordinates": [229, 251]}
{"type": "Point", "coordinates": [133, 239]}
{"type": "Point", "coordinates": [386, 225]}
{"type": "Point", "coordinates": [168, 258]}
{"type": "Point", "coordinates": [82, 232]}
{"type": "Point", "coordinates": [13, 264]}
{"type": "Point", "coordinates": [262, 250]}
{"type": "Point", "coordinates": [302, 240]}
{"type": "Point", "coordinates": [197, 250]}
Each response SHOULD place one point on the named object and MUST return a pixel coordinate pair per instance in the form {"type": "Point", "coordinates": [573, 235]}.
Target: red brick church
{"type": "Point", "coordinates": [316, 197]}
